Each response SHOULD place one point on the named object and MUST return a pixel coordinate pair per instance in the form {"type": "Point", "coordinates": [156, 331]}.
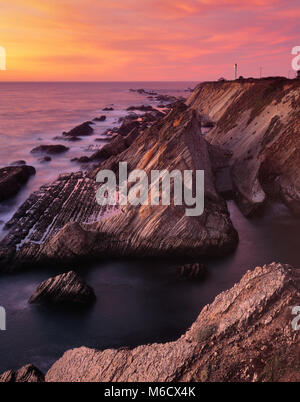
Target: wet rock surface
{"type": "Point", "coordinates": [49, 149]}
{"type": "Point", "coordinates": [66, 289]}
{"type": "Point", "coordinates": [81, 130]}
{"type": "Point", "coordinates": [244, 335]}
{"type": "Point", "coordinates": [28, 373]}
{"type": "Point", "coordinates": [12, 178]}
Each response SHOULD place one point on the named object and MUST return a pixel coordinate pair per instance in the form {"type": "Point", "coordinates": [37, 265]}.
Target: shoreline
{"type": "Point", "coordinates": [112, 226]}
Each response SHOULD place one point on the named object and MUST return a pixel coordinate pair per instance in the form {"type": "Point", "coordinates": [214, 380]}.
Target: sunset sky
{"type": "Point", "coordinates": [146, 40]}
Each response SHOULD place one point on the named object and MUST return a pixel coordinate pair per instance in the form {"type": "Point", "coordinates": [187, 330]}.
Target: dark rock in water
{"type": "Point", "coordinates": [81, 130]}
{"type": "Point", "coordinates": [142, 91]}
{"type": "Point", "coordinates": [49, 149]}
{"type": "Point", "coordinates": [101, 118]}
{"type": "Point", "coordinates": [67, 288]}
{"type": "Point", "coordinates": [193, 271]}
{"type": "Point", "coordinates": [142, 108]}
{"type": "Point", "coordinates": [12, 178]}
{"type": "Point", "coordinates": [45, 159]}
{"type": "Point", "coordinates": [82, 159]}
{"type": "Point", "coordinates": [108, 109]}
{"type": "Point", "coordinates": [70, 138]}
{"type": "Point", "coordinates": [166, 98]}
{"type": "Point", "coordinates": [18, 163]}
{"type": "Point", "coordinates": [28, 373]}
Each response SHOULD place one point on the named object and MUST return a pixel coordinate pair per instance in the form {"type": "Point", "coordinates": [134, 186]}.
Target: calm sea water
{"type": "Point", "coordinates": [137, 301]}
{"type": "Point", "coordinates": [32, 114]}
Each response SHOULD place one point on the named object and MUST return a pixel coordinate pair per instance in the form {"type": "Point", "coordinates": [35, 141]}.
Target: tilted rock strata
{"type": "Point", "coordinates": [62, 221]}
{"type": "Point", "coordinates": [244, 335]}
{"type": "Point", "coordinates": [28, 373]}
{"type": "Point", "coordinates": [67, 288]}
{"type": "Point", "coordinates": [257, 120]}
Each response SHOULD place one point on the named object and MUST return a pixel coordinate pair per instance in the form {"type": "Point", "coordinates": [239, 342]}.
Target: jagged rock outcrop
{"type": "Point", "coordinates": [67, 288]}
{"type": "Point", "coordinates": [12, 178]}
{"type": "Point", "coordinates": [28, 373]}
{"type": "Point", "coordinates": [246, 334]}
{"type": "Point", "coordinates": [257, 120]}
{"type": "Point", "coordinates": [69, 206]}
{"type": "Point", "coordinates": [115, 146]}
{"type": "Point", "coordinates": [81, 130]}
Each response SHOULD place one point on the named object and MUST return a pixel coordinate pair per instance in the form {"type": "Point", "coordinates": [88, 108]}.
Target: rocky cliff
{"type": "Point", "coordinates": [62, 221]}
{"type": "Point", "coordinates": [246, 334]}
{"type": "Point", "coordinates": [258, 122]}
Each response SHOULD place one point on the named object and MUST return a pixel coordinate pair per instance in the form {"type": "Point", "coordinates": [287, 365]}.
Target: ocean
{"type": "Point", "coordinates": [32, 114]}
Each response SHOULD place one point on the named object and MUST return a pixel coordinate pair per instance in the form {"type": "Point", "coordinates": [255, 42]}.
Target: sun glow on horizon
{"type": "Point", "coordinates": [149, 40]}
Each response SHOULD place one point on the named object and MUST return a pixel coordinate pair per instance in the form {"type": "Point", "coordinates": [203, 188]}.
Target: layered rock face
{"type": "Point", "coordinates": [12, 178]}
{"type": "Point", "coordinates": [67, 288]}
{"type": "Point", "coordinates": [256, 120]}
{"type": "Point", "coordinates": [246, 334]}
{"type": "Point", "coordinates": [28, 373]}
{"type": "Point", "coordinates": [62, 222]}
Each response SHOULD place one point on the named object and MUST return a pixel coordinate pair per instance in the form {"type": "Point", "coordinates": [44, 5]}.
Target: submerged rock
{"type": "Point", "coordinates": [142, 108]}
{"type": "Point", "coordinates": [12, 178]}
{"type": "Point", "coordinates": [245, 335]}
{"type": "Point", "coordinates": [45, 159]}
{"type": "Point", "coordinates": [67, 288]}
{"type": "Point", "coordinates": [192, 271]}
{"type": "Point", "coordinates": [18, 163]}
{"type": "Point", "coordinates": [28, 373]}
{"type": "Point", "coordinates": [49, 149]}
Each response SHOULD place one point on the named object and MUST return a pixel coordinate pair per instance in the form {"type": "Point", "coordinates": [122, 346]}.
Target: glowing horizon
{"type": "Point", "coordinates": [146, 40]}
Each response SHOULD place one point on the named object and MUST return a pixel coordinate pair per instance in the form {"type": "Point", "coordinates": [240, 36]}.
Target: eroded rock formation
{"type": "Point", "coordinates": [28, 373]}
{"type": "Point", "coordinates": [38, 229]}
{"type": "Point", "coordinates": [257, 120]}
{"type": "Point", "coordinates": [67, 288]}
{"type": "Point", "coordinates": [246, 334]}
